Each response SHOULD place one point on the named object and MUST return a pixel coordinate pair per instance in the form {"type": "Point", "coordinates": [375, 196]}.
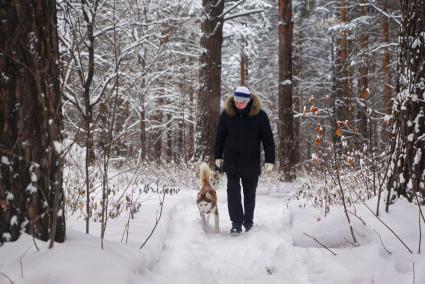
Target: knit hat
{"type": "Point", "coordinates": [242, 94]}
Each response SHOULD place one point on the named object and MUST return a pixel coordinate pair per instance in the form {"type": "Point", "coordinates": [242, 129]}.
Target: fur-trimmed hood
{"type": "Point", "coordinates": [229, 106]}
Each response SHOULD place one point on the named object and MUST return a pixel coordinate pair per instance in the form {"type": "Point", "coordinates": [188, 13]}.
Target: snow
{"type": "Point", "coordinates": [416, 43]}
{"type": "Point", "coordinates": [180, 251]}
{"type": "Point", "coordinates": [9, 195]}
{"type": "Point", "coordinates": [5, 160]}
{"type": "Point", "coordinates": [286, 82]}
{"type": "Point", "coordinates": [31, 188]}
{"type": "Point", "coordinates": [14, 220]}
{"type": "Point", "coordinates": [418, 119]}
{"type": "Point", "coordinates": [401, 177]}
{"type": "Point", "coordinates": [58, 146]}
{"type": "Point", "coordinates": [418, 157]}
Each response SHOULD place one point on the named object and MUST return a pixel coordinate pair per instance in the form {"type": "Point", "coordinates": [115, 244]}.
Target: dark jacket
{"type": "Point", "coordinates": [239, 137]}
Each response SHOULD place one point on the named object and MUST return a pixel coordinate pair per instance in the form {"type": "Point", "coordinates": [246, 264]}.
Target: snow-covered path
{"type": "Point", "coordinates": [264, 255]}
{"type": "Point", "coordinates": [181, 252]}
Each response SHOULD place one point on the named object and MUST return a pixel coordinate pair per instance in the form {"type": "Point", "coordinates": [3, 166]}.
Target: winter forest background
{"type": "Point", "coordinates": [104, 102]}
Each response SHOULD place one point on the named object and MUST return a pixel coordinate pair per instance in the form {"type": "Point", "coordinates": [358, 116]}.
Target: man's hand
{"type": "Point", "coordinates": [218, 163]}
{"type": "Point", "coordinates": [268, 167]}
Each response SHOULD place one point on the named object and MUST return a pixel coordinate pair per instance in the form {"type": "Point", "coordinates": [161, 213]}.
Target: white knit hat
{"type": "Point", "coordinates": [242, 94]}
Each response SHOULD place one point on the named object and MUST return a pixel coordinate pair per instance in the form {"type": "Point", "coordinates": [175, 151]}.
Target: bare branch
{"type": "Point", "coordinates": [158, 218]}
{"type": "Point", "coordinates": [358, 217]}
{"type": "Point", "coordinates": [394, 233]}
{"type": "Point", "coordinates": [353, 244]}
{"type": "Point", "coordinates": [382, 242]}
{"type": "Point", "coordinates": [319, 243]}
{"type": "Point", "coordinates": [7, 277]}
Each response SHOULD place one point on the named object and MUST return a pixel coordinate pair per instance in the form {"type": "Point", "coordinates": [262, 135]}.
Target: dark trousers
{"type": "Point", "coordinates": [236, 212]}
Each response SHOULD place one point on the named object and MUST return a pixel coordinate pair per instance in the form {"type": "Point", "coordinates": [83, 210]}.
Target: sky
{"type": "Point", "coordinates": [276, 250]}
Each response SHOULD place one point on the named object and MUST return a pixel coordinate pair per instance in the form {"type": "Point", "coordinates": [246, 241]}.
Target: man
{"type": "Point", "coordinates": [243, 126]}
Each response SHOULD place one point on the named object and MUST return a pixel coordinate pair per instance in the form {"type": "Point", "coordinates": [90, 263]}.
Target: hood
{"type": "Point", "coordinates": [229, 107]}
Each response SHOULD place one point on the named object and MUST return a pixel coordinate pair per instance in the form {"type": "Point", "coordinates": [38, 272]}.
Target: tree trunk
{"type": "Point", "coordinates": [244, 64]}
{"type": "Point", "coordinates": [286, 124]}
{"type": "Point", "coordinates": [170, 138]}
{"type": "Point", "coordinates": [143, 144]}
{"type": "Point", "coordinates": [387, 74]}
{"type": "Point", "coordinates": [363, 80]}
{"type": "Point", "coordinates": [31, 193]}
{"type": "Point", "coordinates": [88, 110]}
{"type": "Point", "coordinates": [208, 109]}
{"type": "Point", "coordinates": [156, 151]}
{"type": "Point", "coordinates": [386, 63]}
{"type": "Point", "coordinates": [180, 152]}
{"type": "Point", "coordinates": [343, 86]}
{"type": "Point", "coordinates": [407, 168]}
{"type": "Point", "coordinates": [190, 133]}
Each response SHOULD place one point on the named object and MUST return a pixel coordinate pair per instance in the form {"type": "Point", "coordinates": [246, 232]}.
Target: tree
{"type": "Point", "coordinates": [31, 193]}
{"type": "Point", "coordinates": [209, 91]}
{"type": "Point", "coordinates": [363, 84]}
{"type": "Point", "coordinates": [343, 82]}
{"type": "Point", "coordinates": [407, 168]}
{"type": "Point", "coordinates": [209, 77]}
{"type": "Point", "coordinates": [286, 124]}
{"type": "Point", "coordinates": [386, 66]}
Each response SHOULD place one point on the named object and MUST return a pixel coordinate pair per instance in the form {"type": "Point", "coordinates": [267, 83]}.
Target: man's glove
{"type": "Point", "coordinates": [268, 167]}
{"type": "Point", "coordinates": [218, 163]}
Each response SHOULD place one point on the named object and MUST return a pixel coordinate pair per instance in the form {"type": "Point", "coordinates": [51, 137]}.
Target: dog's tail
{"type": "Point", "coordinates": [204, 174]}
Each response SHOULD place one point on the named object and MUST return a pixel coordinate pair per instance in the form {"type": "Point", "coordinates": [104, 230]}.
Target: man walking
{"type": "Point", "coordinates": [243, 126]}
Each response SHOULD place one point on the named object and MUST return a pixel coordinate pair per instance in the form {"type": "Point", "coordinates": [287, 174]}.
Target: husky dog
{"type": "Point", "coordinates": [207, 198]}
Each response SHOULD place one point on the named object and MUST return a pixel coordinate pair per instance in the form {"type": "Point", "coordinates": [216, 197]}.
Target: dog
{"type": "Point", "coordinates": [207, 198]}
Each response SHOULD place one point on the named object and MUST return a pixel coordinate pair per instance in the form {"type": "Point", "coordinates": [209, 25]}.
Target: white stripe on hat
{"type": "Point", "coordinates": [243, 90]}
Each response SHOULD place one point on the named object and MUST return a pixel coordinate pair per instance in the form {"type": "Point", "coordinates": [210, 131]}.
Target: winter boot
{"type": "Point", "coordinates": [236, 230]}
{"type": "Point", "coordinates": [248, 227]}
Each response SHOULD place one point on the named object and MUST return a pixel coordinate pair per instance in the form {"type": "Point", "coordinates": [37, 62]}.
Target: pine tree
{"type": "Point", "coordinates": [407, 168]}
{"type": "Point", "coordinates": [31, 194]}
{"type": "Point", "coordinates": [286, 124]}
{"type": "Point", "coordinates": [209, 93]}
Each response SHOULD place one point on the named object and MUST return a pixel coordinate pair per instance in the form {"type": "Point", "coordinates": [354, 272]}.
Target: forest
{"type": "Point", "coordinates": [106, 106]}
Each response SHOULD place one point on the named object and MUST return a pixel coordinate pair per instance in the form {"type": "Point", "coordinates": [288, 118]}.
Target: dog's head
{"type": "Point", "coordinates": [206, 200]}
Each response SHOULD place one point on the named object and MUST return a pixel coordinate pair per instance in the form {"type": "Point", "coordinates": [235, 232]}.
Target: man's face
{"type": "Point", "coordinates": [240, 105]}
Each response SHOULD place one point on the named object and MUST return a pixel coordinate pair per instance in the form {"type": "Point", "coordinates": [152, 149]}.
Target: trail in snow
{"type": "Point", "coordinates": [263, 255]}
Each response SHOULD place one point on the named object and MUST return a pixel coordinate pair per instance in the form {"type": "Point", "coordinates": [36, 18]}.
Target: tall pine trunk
{"type": "Point", "coordinates": [31, 193]}
{"type": "Point", "coordinates": [363, 80]}
{"type": "Point", "coordinates": [387, 73]}
{"type": "Point", "coordinates": [407, 168]}
{"type": "Point", "coordinates": [244, 64]}
{"type": "Point", "coordinates": [286, 124]}
{"type": "Point", "coordinates": [208, 108]}
{"type": "Point", "coordinates": [343, 82]}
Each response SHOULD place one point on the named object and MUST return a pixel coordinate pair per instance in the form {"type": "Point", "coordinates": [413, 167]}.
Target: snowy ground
{"type": "Point", "coordinates": [180, 251]}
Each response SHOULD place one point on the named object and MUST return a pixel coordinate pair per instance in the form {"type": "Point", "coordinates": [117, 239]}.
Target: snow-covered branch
{"type": "Point", "coordinates": [385, 13]}
{"type": "Point", "coordinates": [231, 8]}
{"type": "Point", "coordinates": [243, 14]}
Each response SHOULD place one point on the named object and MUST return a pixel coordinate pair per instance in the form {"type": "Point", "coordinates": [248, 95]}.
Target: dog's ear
{"type": "Point", "coordinates": [208, 195]}
{"type": "Point", "coordinates": [199, 196]}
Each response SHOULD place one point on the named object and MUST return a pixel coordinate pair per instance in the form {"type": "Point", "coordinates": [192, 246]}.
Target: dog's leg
{"type": "Point", "coordinates": [204, 222]}
{"type": "Point", "coordinates": [216, 219]}
{"type": "Point", "coordinates": [208, 218]}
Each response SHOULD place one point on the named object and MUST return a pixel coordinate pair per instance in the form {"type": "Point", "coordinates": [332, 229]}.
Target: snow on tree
{"type": "Point", "coordinates": [31, 193]}
{"type": "Point", "coordinates": [407, 167]}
